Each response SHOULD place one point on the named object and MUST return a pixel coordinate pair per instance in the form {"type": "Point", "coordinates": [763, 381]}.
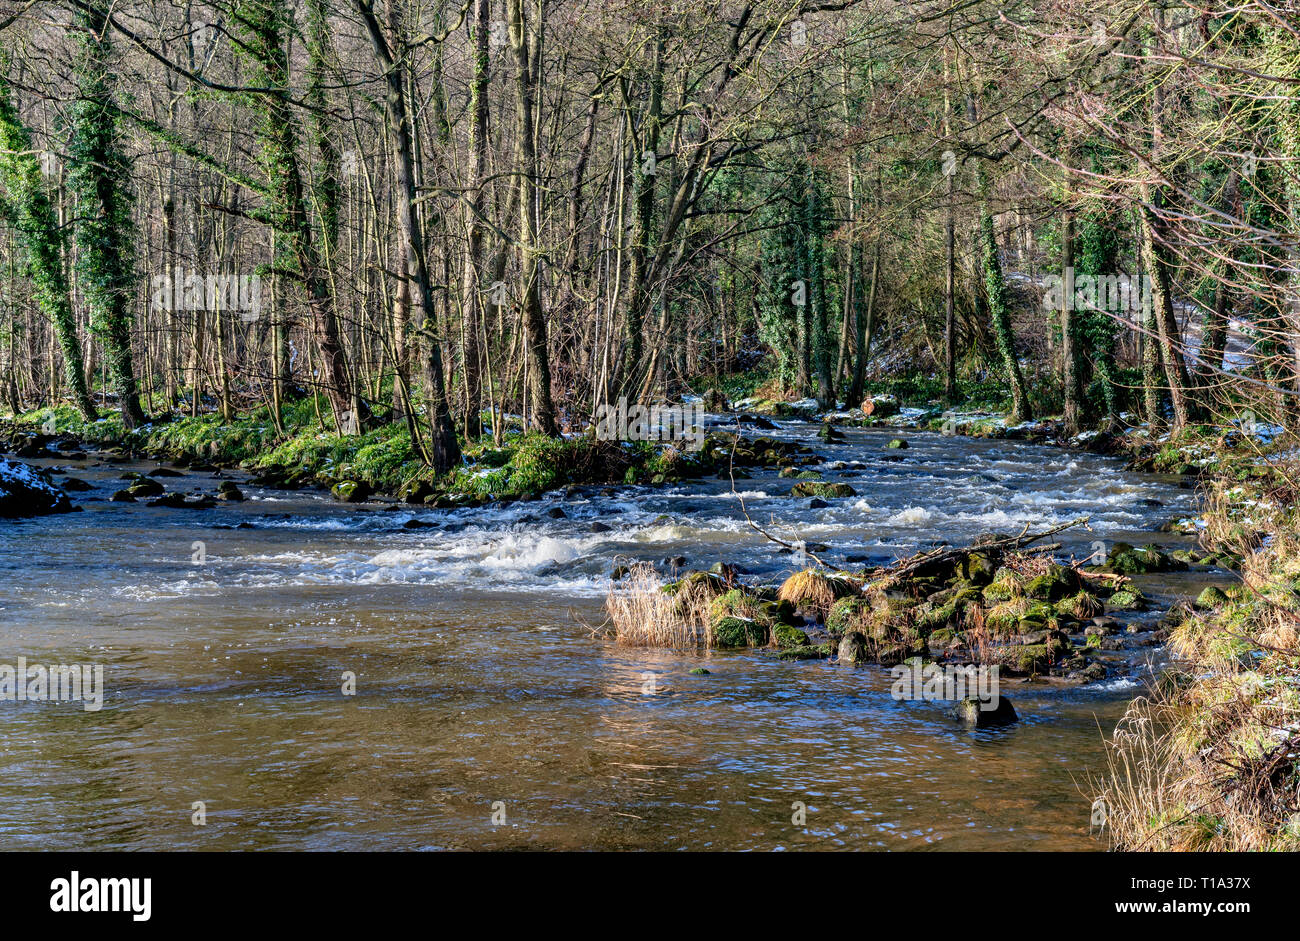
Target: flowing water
{"type": "Point", "coordinates": [225, 635]}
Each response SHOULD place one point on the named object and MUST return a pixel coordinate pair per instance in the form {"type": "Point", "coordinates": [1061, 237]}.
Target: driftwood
{"type": "Point", "coordinates": [949, 556]}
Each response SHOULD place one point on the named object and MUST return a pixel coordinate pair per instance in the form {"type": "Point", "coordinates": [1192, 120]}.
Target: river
{"type": "Point", "coordinates": [486, 715]}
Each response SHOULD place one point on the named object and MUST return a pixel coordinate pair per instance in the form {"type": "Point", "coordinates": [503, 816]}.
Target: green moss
{"type": "Point", "coordinates": [815, 488]}
{"type": "Point", "coordinates": [788, 636]}
{"type": "Point", "coordinates": [1053, 585]}
{"type": "Point", "coordinates": [739, 632]}
{"type": "Point", "coordinates": [1211, 597]}
{"type": "Point", "coordinates": [845, 615]}
{"type": "Point", "coordinates": [1126, 599]}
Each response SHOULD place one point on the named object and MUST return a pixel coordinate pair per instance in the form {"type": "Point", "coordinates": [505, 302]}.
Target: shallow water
{"type": "Point", "coordinates": [479, 681]}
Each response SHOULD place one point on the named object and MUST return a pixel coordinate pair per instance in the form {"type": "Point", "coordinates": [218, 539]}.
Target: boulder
{"type": "Point", "coordinates": [146, 487]}
{"type": "Point", "coordinates": [853, 648]}
{"type": "Point", "coordinates": [351, 491]}
{"type": "Point", "coordinates": [229, 492]}
{"type": "Point", "coordinates": [969, 712]}
{"type": "Point", "coordinates": [820, 488]}
{"type": "Point", "coordinates": [24, 491]}
{"type": "Point", "coordinates": [1211, 597]}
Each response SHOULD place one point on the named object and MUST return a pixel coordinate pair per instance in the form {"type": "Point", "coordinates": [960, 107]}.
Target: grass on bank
{"type": "Point", "coordinates": [1210, 759]}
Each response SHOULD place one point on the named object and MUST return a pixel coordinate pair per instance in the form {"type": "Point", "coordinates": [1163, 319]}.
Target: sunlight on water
{"type": "Point", "coordinates": [478, 679]}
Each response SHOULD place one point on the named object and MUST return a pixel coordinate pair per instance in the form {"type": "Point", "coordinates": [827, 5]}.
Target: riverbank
{"type": "Point", "coordinates": [1210, 759]}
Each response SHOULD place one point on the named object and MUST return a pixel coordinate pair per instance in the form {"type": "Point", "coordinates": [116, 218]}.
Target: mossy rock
{"type": "Point", "coordinates": [974, 714]}
{"type": "Point", "coordinates": [818, 488]}
{"type": "Point", "coordinates": [713, 584]}
{"type": "Point", "coordinates": [415, 491]}
{"type": "Point", "coordinates": [787, 636]}
{"type": "Point", "coordinates": [845, 614]}
{"type": "Point", "coordinates": [1211, 597]}
{"type": "Point", "coordinates": [853, 648]}
{"type": "Point", "coordinates": [806, 652]}
{"type": "Point", "coordinates": [1123, 559]}
{"type": "Point", "coordinates": [1027, 659]}
{"type": "Point", "coordinates": [739, 632]}
{"type": "Point", "coordinates": [944, 638]}
{"type": "Point", "coordinates": [1126, 599]}
{"type": "Point", "coordinates": [1053, 585]}
{"type": "Point", "coordinates": [1005, 586]}
{"type": "Point", "coordinates": [1082, 606]}
{"type": "Point", "coordinates": [351, 491]}
{"type": "Point", "coordinates": [978, 568]}
{"type": "Point", "coordinates": [897, 444]}
{"type": "Point", "coordinates": [1005, 616]}
{"type": "Point", "coordinates": [146, 487]}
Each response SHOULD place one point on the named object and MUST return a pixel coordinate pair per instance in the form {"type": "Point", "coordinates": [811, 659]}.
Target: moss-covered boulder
{"type": "Point", "coordinates": [1053, 585]}
{"type": "Point", "coordinates": [1027, 659]}
{"type": "Point", "coordinates": [1124, 559]}
{"type": "Point", "coordinates": [146, 487]}
{"type": "Point", "coordinates": [351, 491]}
{"type": "Point", "coordinates": [818, 488]}
{"type": "Point", "coordinates": [1082, 606]}
{"type": "Point", "coordinates": [786, 635]}
{"type": "Point", "coordinates": [978, 569]}
{"type": "Point", "coordinates": [846, 614]}
{"type": "Point", "coordinates": [1006, 585]}
{"type": "Point", "coordinates": [805, 652]}
{"type": "Point", "coordinates": [740, 632]}
{"type": "Point", "coordinates": [415, 491]}
{"type": "Point", "coordinates": [853, 648]}
{"type": "Point", "coordinates": [897, 444]}
{"type": "Point", "coordinates": [1126, 599]}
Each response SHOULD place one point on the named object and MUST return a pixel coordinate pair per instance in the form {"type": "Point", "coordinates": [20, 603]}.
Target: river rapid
{"type": "Point", "coordinates": [486, 714]}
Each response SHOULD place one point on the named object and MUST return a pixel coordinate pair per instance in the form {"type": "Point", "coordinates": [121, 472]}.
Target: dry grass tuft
{"type": "Point", "coordinates": [642, 614]}
{"type": "Point", "coordinates": [812, 589]}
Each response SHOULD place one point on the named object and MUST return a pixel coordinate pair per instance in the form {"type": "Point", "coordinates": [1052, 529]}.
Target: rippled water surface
{"type": "Point", "coordinates": [478, 678]}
